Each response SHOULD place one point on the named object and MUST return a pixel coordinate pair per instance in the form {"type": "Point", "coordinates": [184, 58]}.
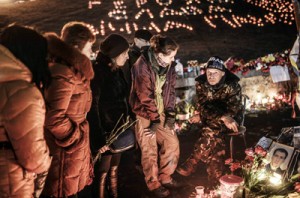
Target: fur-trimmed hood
{"type": "Point", "coordinates": [70, 55]}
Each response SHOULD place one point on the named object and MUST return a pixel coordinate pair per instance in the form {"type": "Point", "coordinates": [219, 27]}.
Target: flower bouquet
{"type": "Point", "coordinates": [263, 64]}
{"type": "Point", "coordinates": [114, 134]}
{"type": "Point", "coordinates": [184, 110]}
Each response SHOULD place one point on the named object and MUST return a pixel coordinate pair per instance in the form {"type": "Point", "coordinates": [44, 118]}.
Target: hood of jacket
{"type": "Point", "coordinates": [72, 56]}
{"type": "Point", "coordinates": [145, 52]}
{"type": "Point", "coordinates": [11, 68]}
{"type": "Point", "coordinates": [229, 78]}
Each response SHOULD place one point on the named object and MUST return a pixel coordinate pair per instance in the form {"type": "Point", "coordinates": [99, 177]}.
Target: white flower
{"type": "Point", "coordinates": [259, 66]}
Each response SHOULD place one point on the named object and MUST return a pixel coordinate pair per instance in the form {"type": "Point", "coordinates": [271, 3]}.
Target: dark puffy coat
{"type": "Point", "coordinates": [216, 101]}
{"type": "Point", "coordinates": [109, 90]}
{"type": "Point", "coordinates": [142, 94]}
{"type": "Point", "coordinates": [22, 116]}
{"type": "Point", "coordinates": [68, 100]}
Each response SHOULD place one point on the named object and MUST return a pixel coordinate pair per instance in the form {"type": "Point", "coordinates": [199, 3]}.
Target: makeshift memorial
{"type": "Point", "coordinates": [258, 182]}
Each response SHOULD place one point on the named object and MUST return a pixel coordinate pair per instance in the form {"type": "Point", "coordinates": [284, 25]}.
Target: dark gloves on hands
{"type": "Point", "coordinates": [170, 120]}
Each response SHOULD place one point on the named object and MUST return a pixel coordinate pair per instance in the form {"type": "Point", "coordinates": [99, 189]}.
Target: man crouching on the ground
{"type": "Point", "coordinates": [219, 105]}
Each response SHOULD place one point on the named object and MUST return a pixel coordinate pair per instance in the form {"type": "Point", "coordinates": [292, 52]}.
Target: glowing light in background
{"type": "Point", "coordinates": [276, 179]}
{"type": "Point", "coordinates": [221, 11]}
{"type": "Point", "coordinates": [6, 1]}
{"type": "Point", "coordinates": [91, 3]}
{"type": "Point", "coordinates": [165, 15]}
{"type": "Point", "coordinates": [149, 13]}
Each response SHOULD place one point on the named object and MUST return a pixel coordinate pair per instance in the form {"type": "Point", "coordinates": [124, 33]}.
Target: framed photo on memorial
{"type": "Point", "coordinates": [265, 143]}
{"type": "Point", "coordinates": [294, 167]}
{"type": "Point", "coordinates": [279, 157]}
{"type": "Point", "coordinates": [290, 136]}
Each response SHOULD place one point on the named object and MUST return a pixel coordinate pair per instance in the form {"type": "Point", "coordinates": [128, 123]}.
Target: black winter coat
{"type": "Point", "coordinates": [109, 91]}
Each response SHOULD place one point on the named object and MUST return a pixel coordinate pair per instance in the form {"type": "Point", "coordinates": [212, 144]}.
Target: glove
{"type": "Point", "coordinates": [170, 120]}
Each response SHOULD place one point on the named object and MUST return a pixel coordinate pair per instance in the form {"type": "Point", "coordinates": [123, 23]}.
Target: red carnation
{"type": "Point", "coordinates": [260, 151]}
{"type": "Point", "coordinates": [228, 161]}
{"type": "Point", "coordinates": [250, 158]}
{"type": "Point", "coordinates": [249, 152]}
{"type": "Point", "coordinates": [235, 166]}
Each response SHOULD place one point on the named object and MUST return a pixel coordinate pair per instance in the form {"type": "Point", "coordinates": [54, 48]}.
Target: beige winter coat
{"type": "Point", "coordinates": [22, 115]}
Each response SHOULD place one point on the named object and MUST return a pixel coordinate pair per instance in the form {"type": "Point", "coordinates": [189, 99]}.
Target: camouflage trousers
{"type": "Point", "coordinates": [210, 149]}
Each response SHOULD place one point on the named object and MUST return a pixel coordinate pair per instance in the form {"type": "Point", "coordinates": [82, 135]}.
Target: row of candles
{"type": "Point", "coordinates": [271, 102]}
{"type": "Point", "coordinates": [276, 11]}
{"type": "Point", "coordinates": [129, 28]}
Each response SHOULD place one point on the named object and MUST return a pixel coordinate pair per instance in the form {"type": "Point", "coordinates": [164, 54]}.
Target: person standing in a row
{"type": "Point", "coordinates": [110, 102]}
{"type": "Point", "coordinates": [68, 100]}
{"type": "Point", "coordinates": [152, 99]}
{"type": "Point", "coordinates": [141, 41]}
{"type": "Point", "coordinates": [23, 73]}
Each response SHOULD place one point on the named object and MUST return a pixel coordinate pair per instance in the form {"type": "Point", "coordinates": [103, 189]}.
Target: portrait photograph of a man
{"type": "Point", "coordinates": [279, 157]}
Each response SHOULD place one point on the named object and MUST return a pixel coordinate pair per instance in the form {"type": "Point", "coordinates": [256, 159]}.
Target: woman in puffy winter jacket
{"type": "Point", "coordinates": [68, 99]}
{"type": "Point", "coordinates": [23, 71]}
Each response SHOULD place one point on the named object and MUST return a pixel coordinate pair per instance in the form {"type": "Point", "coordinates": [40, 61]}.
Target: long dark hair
{"type": "Point", "coordinates": [30, 48]}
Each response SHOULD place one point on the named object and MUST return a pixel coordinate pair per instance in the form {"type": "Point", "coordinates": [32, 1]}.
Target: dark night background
{"type": "Point", "coordinates": [248, 41]}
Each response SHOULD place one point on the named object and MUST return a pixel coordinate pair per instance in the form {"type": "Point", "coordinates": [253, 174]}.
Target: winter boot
{"type": "Point", "coordinates": [113, 182]}
{"type": "Point", "coordinates": [102, 185]}
{"type": "Point", "coordinates": [187, 168]}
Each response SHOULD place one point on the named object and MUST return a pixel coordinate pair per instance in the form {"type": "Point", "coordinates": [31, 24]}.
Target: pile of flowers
{"type": "Point", "coordinates": [257, 181]}
{"type": "Point", "coordinates": [193, 63]}
{"type": "Point", "coordinates": [264, 63]}
{"type": "Point", "coordinates": [184, 110]}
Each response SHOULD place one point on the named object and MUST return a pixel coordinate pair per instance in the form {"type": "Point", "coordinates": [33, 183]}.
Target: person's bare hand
{"type": "Point", "coordinates": [195, 118]}
{"type": "Point", "coordinates": [103, 149]}
{"type": "Point", "coordinates": [230, 123]}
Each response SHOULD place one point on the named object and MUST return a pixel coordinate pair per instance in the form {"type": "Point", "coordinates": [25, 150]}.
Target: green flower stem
{"type": "Point", "coordinates": [114, 134]}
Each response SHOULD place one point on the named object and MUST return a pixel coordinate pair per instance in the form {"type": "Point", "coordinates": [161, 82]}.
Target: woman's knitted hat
{"type": "Point", "coordinates": [143, 34]}
{"type": "Point", "coordinates": [114, 45]}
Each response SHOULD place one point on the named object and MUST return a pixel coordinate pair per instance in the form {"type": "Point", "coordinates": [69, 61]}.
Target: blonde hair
{"type": "Point", "coordinates": [77, 34]}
